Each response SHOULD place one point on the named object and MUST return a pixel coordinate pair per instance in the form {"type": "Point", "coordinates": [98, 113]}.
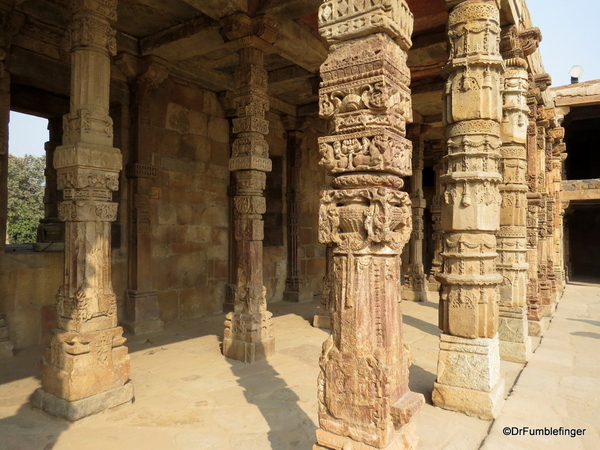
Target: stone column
{"type": "Point", "coordinates": [515, 344]}
{"type": "Point", "coordinates": [544, 282]}
{"type": "Point", "coordinates": [248, 333]}
{"type": "Point", "coordinates": [557, 135]}
{"type": "Point", "coordinates": [141, 302]}
{"type": "Point", "coordinates": [322, 318]}
{"type": "Point", "coordinates": [86, 367]}
{"type": "Point", "coordinates": [436, 219]}
{"type": "Point", "coordinates": [468, 378]}
{"type": "Point", "coordinates": [414, 279]}
{"type": "Point", "coordinates": [364, 399]}
{"type": "Point", "coordinates": [10, 24]}
{"type": "Point", "coordinates": [51, 231]}
{"type": "Point", "coordinates": [296, 285]}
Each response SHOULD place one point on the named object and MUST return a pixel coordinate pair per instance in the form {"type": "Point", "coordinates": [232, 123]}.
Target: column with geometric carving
{"type": "Point", "coordinates": [296, 285]}
{"type": "Point", "coordinates": [86, 367]}
{"type": "Point", "coordinates": [515, 343]}
{"type": "Point", "coordinates": [414, 279]}
{"type": "Point", "coordinates": [557, 135]}
{"type": "Point", "coordinates": [468, 378]}
{"type": "Point", "coordinates": [141, 302]}
{"type": "Point", "coordinates": [436, 219]}
{"type": "Point", "coordinates": [248, 333]}
{"type": "Point", "coordinates": [364, 399]}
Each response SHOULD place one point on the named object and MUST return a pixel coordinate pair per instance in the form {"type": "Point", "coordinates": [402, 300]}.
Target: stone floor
{"type": "Point", "coordinates": [189, 397]}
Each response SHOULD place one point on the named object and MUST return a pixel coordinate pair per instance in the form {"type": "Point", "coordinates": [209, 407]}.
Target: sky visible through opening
{"type": "Point", "coordinates": [27, 135]}
{"type": "Point", "coordinates": [571, 36]}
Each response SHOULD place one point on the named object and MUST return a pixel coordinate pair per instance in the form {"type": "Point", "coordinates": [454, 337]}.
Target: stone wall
{"type": "Point", "coordinates": [190, 213]}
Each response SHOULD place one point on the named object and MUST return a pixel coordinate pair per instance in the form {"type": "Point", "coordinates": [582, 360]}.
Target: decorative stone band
{"type": "Point", "coordinates": [358, 60]}
{"type": "Point", "coordinates": [341, 20]}
{"type": "Point", "coordinates": [250, 162]}
{"type": "Point", "coordinates": [254, 146]}
{"type": "Point", "coordinates": [250, 205]}
{"type": "Point", "coordinates": [365, 220]}
{"type": "Point", "coordinates": [474, 30]}
{"type": "Point", "coordinates": [87, 211]}
{"type": "Point", "coordinates": [371, 150]}
{"type": "Point", "coordinates": [250, 124]}
{"type": "Point", "coordinates": [87, 155]}
{"type": "Point", "coordinates": [91, 31]}
{"type": "Point", "coordinates": [77, 178]}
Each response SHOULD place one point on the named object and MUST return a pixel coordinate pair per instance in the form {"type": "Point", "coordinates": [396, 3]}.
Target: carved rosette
{"type": "Point", "coordinates": [366, 220]}
{"type": "Point", "coordinates": [471, 201]}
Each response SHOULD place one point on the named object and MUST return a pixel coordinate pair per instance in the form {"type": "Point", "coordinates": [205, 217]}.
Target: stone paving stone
{"type": "Point", "coordinates": [188, 397]}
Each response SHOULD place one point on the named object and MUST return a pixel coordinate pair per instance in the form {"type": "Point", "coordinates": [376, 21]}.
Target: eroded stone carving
{"type": "Point", "coordinates": [364, 400]}
{"type": "Point", "coordinates": [470, 213]}
{"type": "Point", "coordinates": [248, 335]}
{"type": "Point", "coordinates": [86, 360]}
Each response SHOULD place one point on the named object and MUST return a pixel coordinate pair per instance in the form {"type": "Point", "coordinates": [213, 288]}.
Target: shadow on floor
{"type": "Point", "coordinates": [264, 387]}
{"type": "Point", "coordinates": [586, 334]}
{"type": "Point", "coordinates": [422, 325]}
{"type": "Point", "coordinates": [421, 381]}
{"type": "Point", "coordinates": [591, 322]}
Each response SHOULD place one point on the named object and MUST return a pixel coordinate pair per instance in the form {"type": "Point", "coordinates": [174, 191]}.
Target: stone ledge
{"type": "Point", "coordinates": [79, 409]}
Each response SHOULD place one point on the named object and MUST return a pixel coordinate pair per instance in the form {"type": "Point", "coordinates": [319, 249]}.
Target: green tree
{"type": "Point", "coordinates": [26, 183]}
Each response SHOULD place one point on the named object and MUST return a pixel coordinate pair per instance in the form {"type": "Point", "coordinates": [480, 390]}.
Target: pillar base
{"type": "Point", "coordinates": [79, 409]}
{"type": "Point", "coordinates": [248, 337]}
{"type": "Point", "coordinates": [515, 343]}
{"type": "Point", "coordinates": [298, 297]}
{"type": "Point", "coordinates": [6, 349]}
{"type": "Point", "coordinates": [480, 404]}
{"type": "Point", "coordinates": [516, 351]}
{"type": "Point", "coordinates": [142, 312]}
{"type": "Point", "coordinates": [149, 326]}
{"type": "Point", "coordinates": [406, 439]}
{"type": "Point", "coordinates": [469, 376]}
{"type": "Point", "coordinates": [321, 321]}
{"type": "Point", "coordinates": [537, 327]}
{"type": "Point", "coordinates": [248, 352]}
{"type": "Point", "coordinates": [413, 296]}
{"type": "Point", "coordinates": [549, 310]}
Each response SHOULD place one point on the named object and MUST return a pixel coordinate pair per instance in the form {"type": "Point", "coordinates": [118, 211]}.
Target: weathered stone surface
{"type": "Point", "coordinates": [469, 359]}
{"type": "Point", "coordinates": [86, 356]}
{"type": "Point", "coordinates": [76, 410]}
{"type": "Point", "coordinates": [365, 220]}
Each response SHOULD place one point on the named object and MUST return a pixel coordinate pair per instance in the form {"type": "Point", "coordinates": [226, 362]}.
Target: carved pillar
{"type": "Point", "coordinates": [296, 285]}
{"type": "Point", "coordinates": [436, 218]}
{"type": "Point", "coordinates": [86, 368]}
{"type": "Point", "coordinates": [364, 399]}
{"type": "Point", "coordinates": [544, 282]}
{"type": "Point", "coordinates": [322, 318]}
{"type": "Point", "coordinates": [557, 135]}
{"type": "Point", "coordinates": [141, 302]}
{"type": "Point", "coordinates": [248, 333]}
{"type": "Point", "coordinates": [515, 344]}
{"type": "Point", "coordinates": [51, 231]}
{"type": "Point", "coordinates": [468, 378]}
{"type": "Point", "coordinates": [414, 279]}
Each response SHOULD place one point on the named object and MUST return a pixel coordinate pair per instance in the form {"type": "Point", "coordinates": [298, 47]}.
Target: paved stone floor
{"type": "Point", "coordinates": [188, 397]}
